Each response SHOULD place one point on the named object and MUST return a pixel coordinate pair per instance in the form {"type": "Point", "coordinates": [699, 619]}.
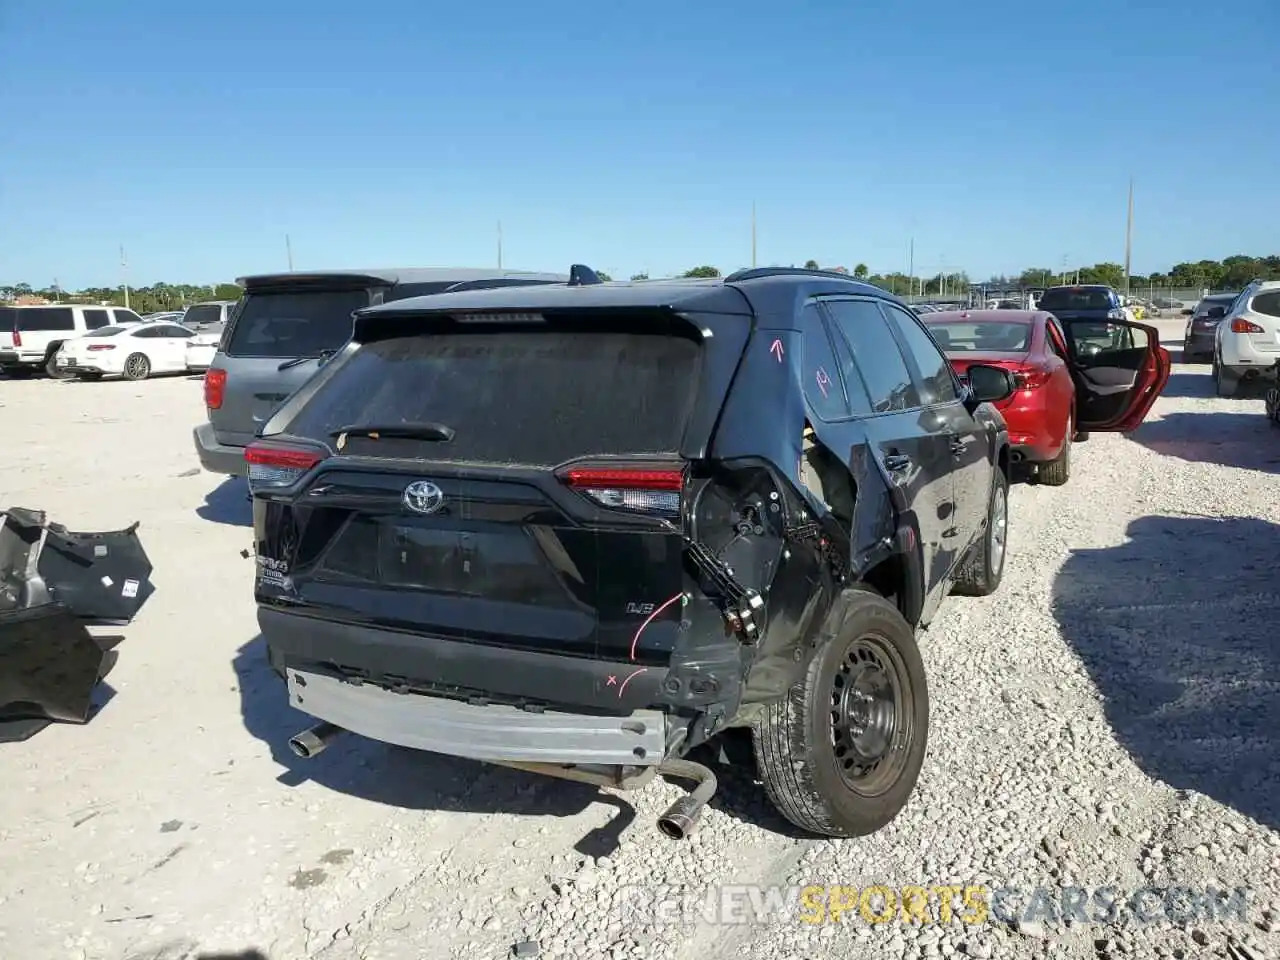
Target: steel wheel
{"type": "Point", "coordinates": [137, 367]}
{"type": "Point", "coordinates": [999, 527]}
{"type": "Point", "coordinates": [870, 730]}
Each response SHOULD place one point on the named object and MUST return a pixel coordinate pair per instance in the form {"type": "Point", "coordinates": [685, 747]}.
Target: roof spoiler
{"type": "Point", "coordinates": [581, 275]}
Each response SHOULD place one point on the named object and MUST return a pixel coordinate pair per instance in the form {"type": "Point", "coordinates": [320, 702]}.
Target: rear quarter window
{"type": "Point", "coordinates": [46, 319]}
{"type": "Point", "coordinates": [1267, 304]}
{"type": "Point", "coordinates": [529, 397]}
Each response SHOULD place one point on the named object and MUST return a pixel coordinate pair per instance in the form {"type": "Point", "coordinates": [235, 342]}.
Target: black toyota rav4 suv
{"type": "Point", "coordinates": [583, 528]}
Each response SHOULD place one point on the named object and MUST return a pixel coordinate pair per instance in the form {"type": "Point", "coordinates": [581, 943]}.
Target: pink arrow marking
{"type": "Point", "coordinates": [776, 349]}
{"type": "Point", "coordinates": [823, 381]}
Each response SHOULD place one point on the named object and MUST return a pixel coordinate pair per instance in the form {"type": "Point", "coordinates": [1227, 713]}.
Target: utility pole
{"type": "Point", "coordinates": [753, 234]}
{"type": "Point", "coordinates": [499, 244]}
{"type": "Point", "coordinates": [911, 268]}
{"type": "Point", "coordinates": [1128, 240]}
{"type": "Point", "coordinates": [124, 276]}
{"type": "Point", "coordinates": [57, 291]}
{"type": "Point", "coordinates": [288, 250]}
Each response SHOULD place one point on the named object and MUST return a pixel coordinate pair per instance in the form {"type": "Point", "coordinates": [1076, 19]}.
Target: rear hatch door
{"type": "Point", "coordinates": [277, 338]}
{"type": "Point", "coordinates": [540, 504]}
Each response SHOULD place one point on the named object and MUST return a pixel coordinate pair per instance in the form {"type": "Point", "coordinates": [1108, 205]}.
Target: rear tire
{"type": "Point", "coordinates": [841, 753]}
{"type": "Point", "coordinates": [137, 367]}
{"type": "Point", "coordinates": [982, 570]}
{"type": "Point", "coordinates": [1272, 405]}
{"type": "Point", "coordinates": [1058, 471]}
{"type": "Point", "coordinates": [51, 370]}
{"type": "Point", "coordinates": [1224, 383]}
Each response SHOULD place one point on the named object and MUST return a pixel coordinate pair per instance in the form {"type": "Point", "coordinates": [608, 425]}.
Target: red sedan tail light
{"type": "Point", "coordinates": [1028, 378]}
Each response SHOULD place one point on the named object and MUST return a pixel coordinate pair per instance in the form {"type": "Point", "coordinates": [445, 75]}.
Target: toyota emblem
{"type": "Point", "coordinates": [423, 496]}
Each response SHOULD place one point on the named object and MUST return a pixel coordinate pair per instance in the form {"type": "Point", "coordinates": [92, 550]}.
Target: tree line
{"type": "Point", "coordinates": [1230, 273]}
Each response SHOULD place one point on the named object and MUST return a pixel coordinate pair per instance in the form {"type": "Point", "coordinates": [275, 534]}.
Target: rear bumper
{"type": "Point", "coordinates": [310, 643]}
{"type": "Point", "coordinates": [11, 358]}
{"type": "Point", "coordinates": [574, 710]}
{"type": "Point", "coordinates": [218, 457]}
{"type": "Point", "coordinates": [1240, 353]}
{"type": "Point", "coordinates": [1029, 432]}
{"type": "Point", "coordinates": [480, 732]}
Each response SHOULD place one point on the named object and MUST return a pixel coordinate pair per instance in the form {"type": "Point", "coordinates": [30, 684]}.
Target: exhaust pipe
{"type": "Point", "coordinates": [681, 818]}
{"type": "Point", "coordinates": [308, 743]}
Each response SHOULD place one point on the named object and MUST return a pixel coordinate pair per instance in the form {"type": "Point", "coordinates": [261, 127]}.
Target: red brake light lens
{"type": "Point", "coordinates": [215, 385]}
{"type": "Point", "coordinates": [1241, 325]}
{"type": "Point", "coordinates": [17, 338]}
{"type": "Point", "coordinates": [273, 464]}
{"type": "Point", "coordinates": [1028, 378]}
{"type": "Point", "coordinates": [638, 490]}
{"type": "Point", "coordinates": [95, 347]}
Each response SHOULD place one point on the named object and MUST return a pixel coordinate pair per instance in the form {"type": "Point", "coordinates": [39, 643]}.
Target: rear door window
{"type": "Point", "coordinates": [96, 319]}
{"type": "Point", "coordinates": [874, 352]}
{"type": "Point", "coordinates": [46, 319]}
{"type": "Point", "coordinates": [127, 316]}
{"type": "Point", "coordinates": [937, 382]}
{"type": "Point", "coordinates": [294, 324]}
{"type": "Point", "coordinates": [525, 397]}
{"type": "Point", "coordinates": [822, 385]}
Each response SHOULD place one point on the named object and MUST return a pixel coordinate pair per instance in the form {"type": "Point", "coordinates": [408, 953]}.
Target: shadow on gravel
{"type": "Point", "coordinates": [1247, 440]}
{"type": "Point", "coordinates": [1177, 628]}
{"type": "Point", "coordinates": [228, 503]}
{"type": "Point", "coordinates": [411, 779]}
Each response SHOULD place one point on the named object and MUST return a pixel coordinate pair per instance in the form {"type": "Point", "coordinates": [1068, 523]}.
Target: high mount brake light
{"type": "Point", "coordinates": [273, 464]}
{"type": "Point", "coordinates": [1241, 325]}
{"type": "Point", "coordinates": [638, 490]}
{"type": "Point", "coordinates": [215, 386]}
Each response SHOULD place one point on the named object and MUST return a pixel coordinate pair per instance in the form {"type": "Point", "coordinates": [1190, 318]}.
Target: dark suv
{"type": "Point", "coordinates": [583, 528]}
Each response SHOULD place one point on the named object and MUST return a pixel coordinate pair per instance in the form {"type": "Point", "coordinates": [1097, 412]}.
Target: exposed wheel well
{"type": "Point", "coordinates": [1002, 461]}
{"type": "Point", "coordinates": [889, 579]}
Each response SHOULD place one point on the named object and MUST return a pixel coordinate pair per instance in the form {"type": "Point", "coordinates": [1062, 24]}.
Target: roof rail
{"type": "Point", "coordinates": [755, 273]}
{"type": "Point", "coordinates": [581, 275]}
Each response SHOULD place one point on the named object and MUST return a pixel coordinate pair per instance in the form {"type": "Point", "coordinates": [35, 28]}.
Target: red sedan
{"type": "Point", "coordinates": [1074, 376]}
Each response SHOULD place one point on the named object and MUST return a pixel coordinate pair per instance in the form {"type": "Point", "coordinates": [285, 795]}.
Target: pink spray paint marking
{"type": "Point", "coordinates": [648, 620]}
{"type": "Point", "coordinates": [823, 381]}
{"type": "Point", "coordinates": [776, 349]}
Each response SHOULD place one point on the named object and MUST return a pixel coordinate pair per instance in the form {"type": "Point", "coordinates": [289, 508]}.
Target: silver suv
{"type": "Point", "coordinates": [286, 325]}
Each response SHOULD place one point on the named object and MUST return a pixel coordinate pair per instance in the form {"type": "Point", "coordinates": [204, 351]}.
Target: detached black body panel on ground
{"type": "Point", "coordinates": [54, 584]}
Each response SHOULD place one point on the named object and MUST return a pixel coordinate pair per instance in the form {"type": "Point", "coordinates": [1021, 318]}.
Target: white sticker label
{"type": "Point", "coordinates": [130, 589]}
{"type": "Point", "coordinates": [107, 581]}
{"type": "Point", "coordinates": [100, 550]}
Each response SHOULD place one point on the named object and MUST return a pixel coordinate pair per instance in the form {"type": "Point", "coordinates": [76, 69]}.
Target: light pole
{"type": "Point", "coordinates": [124, 276]}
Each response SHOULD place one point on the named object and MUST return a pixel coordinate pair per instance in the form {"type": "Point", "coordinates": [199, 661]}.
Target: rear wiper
{"type": "Point", "coordinates": [398, 431]}
{"type": "Point", "coordinates": [321, 355]}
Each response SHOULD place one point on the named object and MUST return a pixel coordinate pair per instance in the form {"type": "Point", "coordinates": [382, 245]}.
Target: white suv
{"type": "Point", "coordinates": [1247, 340]}
{"type": "Point", "coordinates": [31, 335]}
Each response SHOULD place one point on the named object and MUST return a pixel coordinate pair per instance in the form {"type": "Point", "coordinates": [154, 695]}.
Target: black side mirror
{"type": "Point", "coordinates": [1216, 313]}
{"type": "Point", "coordinates": [989, 384]}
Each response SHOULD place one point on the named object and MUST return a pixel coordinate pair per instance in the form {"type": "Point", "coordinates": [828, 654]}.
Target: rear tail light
{"type": "Point", "coordinates": [1028, 378]}
{"type": "Point", "coordinates": [215, 385]}
{"type": "Point", "coordinates": [638, 490]}
{"type": "Point", "coordinates": [277, 464]}
{"type": "Point", "coordinates": [1241, 325]}
{"type": "Point", "coordinates": [17, 338]}
{"type": "Point", "coordinates": [95, 347]}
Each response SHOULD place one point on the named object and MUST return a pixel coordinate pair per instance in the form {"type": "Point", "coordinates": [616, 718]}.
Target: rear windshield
{"type": "Point", "coordinates": [972, 337]}
{"type": "Point", "coordinates": [201, 314]}
{"type": "Point", "coordinates": [1207, 305]}
{"type": "Point", "coordinates": [106, 331]}
{"type": "Point", "coordinates": [33, 319]}
{"type": "Point", "coordinates": [285, 325]}
{"type": "Point", "coordinates": [1075, 300]}
{"type": "Point", "coordinates": [528, 397]}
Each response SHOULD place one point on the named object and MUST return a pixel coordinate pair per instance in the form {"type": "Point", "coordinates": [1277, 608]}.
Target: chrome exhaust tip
{"type": "Point", "coordinates": [309, 743]}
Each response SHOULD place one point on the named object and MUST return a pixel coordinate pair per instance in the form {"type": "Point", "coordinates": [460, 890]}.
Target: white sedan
{"type": "Point", "coordinates": [134, 352]}
{"type": "Point", "coordinates": [203, 346]}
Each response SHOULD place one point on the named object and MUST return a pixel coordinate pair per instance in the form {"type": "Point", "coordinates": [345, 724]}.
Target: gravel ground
{"type": "Point", "coordinates": [1105, 720]}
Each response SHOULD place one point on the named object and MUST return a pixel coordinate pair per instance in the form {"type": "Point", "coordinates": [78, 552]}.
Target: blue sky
{"type": "Point", "coordinates": [997, 134]}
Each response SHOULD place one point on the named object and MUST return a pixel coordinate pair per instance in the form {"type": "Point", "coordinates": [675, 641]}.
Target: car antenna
{"type": "Point", "coordinates": [581, 275]}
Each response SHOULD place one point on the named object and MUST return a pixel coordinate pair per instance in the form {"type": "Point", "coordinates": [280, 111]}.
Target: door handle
{"type": "Point", "coordinates": [897, 462]}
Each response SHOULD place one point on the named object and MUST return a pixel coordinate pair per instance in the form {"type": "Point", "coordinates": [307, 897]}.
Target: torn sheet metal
{"type": "Point", "coordinates": [53, 584]}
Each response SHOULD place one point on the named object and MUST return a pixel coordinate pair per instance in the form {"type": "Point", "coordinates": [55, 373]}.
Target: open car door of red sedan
{"type": "Point", "coordinates": [1119, 369]}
